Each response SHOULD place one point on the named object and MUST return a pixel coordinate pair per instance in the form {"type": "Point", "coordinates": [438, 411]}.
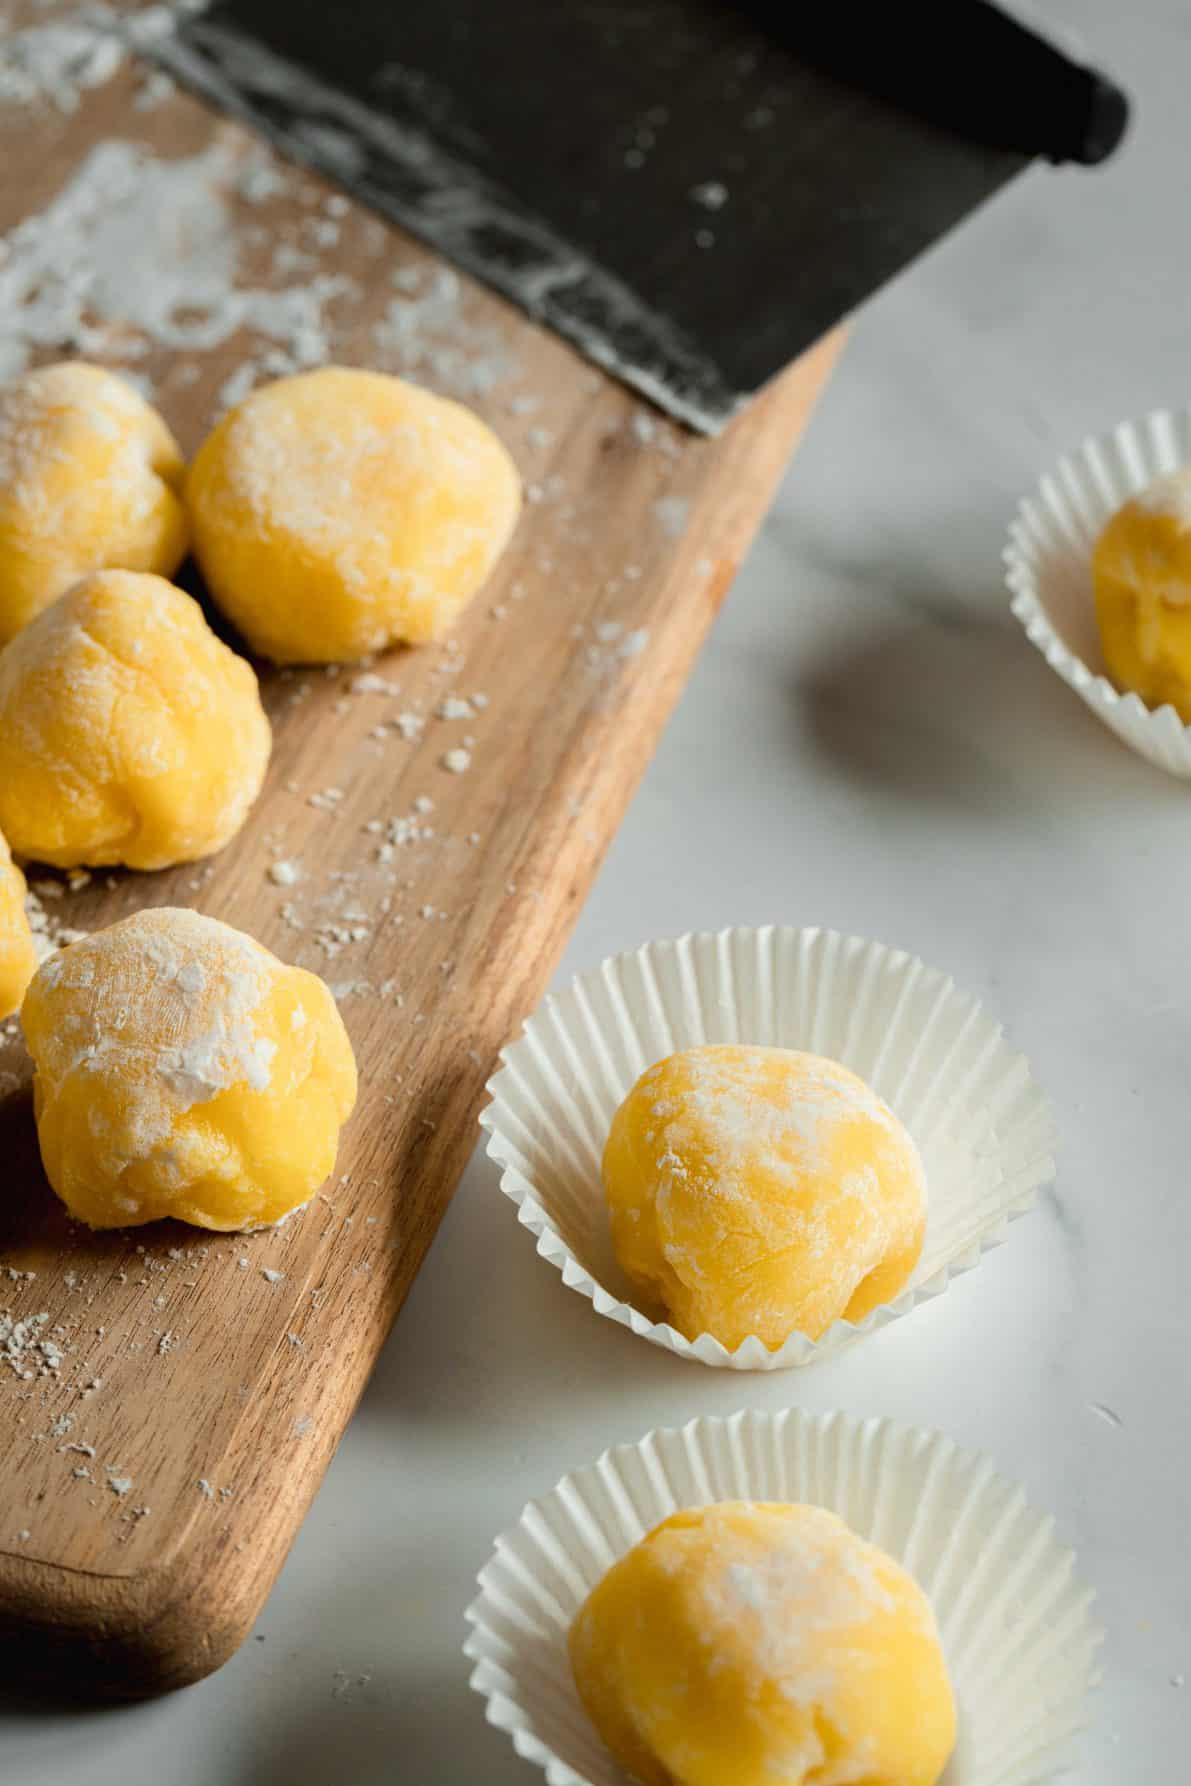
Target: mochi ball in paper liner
{"type": "Point", "coordinates": [182, 1070]}
{"type": "Point", "coordinates": [761, 1191]}
{"type": "Point", "coordinates": [338, 512]}
{"type": "Point", "coordinates": [763, 1644]}
{"type": "Point", "coordinates": [1141, 573]}
{"type": "Point", "coordinates": [90, 479]}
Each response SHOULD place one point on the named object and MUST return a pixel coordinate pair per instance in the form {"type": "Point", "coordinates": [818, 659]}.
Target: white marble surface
{"type": "Point", "coordinates": [870, 743]}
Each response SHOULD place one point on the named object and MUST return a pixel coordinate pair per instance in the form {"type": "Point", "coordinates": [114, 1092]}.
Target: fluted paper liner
{"type": "Point", "coordinates": [983, 1128]}
{"type": "Point", "coordinates": [1017, 1631]}
{"type": "Point", "coordinates": [1048, 566]}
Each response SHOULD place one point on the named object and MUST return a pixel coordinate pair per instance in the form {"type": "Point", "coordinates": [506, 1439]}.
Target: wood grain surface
{"type": "Point", "coordinates": [152, 1480]}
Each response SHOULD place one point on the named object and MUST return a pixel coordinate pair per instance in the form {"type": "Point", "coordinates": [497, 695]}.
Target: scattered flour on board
{"type": "Point", "coordinates": [25, 1348]}
{"type": "Point", "coordinates": [425, 326]}
{"type": "Point", "coordinates": [672, 514]}
{"type": "Point", "coordinates": [611, 646]}
{"type": "Point", "coordinates": [136, 252]}
{"type": "Point", "coordinates": [49, 932]}
{"type": "Point", "coordinates": [56, 62]}
{"type": "Point", "coordinates": [455, 707]}
{"type": "Point", "coordinates": [369, 683]}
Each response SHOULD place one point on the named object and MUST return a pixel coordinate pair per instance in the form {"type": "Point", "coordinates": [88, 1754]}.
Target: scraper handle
{"type": "Point", "coordinates": [963, 64]}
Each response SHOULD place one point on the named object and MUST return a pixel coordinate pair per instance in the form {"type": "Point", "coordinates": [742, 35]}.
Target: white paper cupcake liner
{"type": "Point", "coordinates": [1017, 1631]}
{"type": "Point", "coordinates": [1048, 568]}
{"type": "Point", "coordinates": [983, 1128]}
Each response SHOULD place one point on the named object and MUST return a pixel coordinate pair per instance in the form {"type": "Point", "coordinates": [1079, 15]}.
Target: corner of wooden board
{"type": "Point", "coordinates": [72, 1636]}
{"type": "Point", "coordinates": [799, 384]}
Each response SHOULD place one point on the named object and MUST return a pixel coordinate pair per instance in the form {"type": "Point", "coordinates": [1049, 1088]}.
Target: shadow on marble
{"type": "Point", "coordinates": [409, 1717]}
{"type": "Point", "coordinates": [955, 711]}
{"type": "Point", "coordinates": [489, 1319]}
{"type": "Point", "coordinates": [36, 1704]}
{"type": "Point", "coordinates": [422, 1738]}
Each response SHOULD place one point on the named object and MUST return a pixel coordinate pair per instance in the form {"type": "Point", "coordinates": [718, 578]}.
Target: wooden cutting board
{"type": "Point", "coordinates": [159, 1452]}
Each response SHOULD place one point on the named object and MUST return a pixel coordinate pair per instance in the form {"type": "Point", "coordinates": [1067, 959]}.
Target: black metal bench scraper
{"type": "Point", "coordinates": [689, 192]}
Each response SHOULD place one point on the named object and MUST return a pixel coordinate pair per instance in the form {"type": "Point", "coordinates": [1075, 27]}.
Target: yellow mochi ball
{"type": "Point", "coordinates": [182, 1070]}
{"type": "Point", "coordinates": [761, 1191]}
{"type": "Point", "coordinates": [90, 479]}
{"type": "Point", "coordinates": [339, 511]}
{"type": "Point", "coordinates": [18, 955]}
{"type": "Point", "coordinates": [128, 732]}
{"type": "Point", "coordinates": [1141, 575]}
{"type": "Point", "coordinates": [762, 1644]}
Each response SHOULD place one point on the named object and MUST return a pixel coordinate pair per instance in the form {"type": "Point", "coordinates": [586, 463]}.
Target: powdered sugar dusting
{"type": "Point", "coordinates": [774, 1183]}
{"type": "Point", "coordinates": [172, 1012]}
{"type": "Point", "coordinates": [1169, 495]}
{"type": "Point", "coordinates": [344, 465]}
{"type": "Point", "coordinates": [792, 1603]}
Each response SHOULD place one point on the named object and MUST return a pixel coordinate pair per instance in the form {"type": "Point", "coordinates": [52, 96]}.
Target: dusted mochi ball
{"type": "Point", "coordinates": [761, 1644]}
{"type": "Point", "coordinates": [1141, 575]}
{"type": "Point", "coordinates": [340, 511]}
{"type": "Point", "coordinates": [128, 732]}
{"type": "Point", "coordinates": [90, 479]}
{"type": "Point", "coordinates": [18, 954]}
{"type": "Point", "coordinates": [182, 1070]}
{"type": "Point", "coordinates": [761, 1191]}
